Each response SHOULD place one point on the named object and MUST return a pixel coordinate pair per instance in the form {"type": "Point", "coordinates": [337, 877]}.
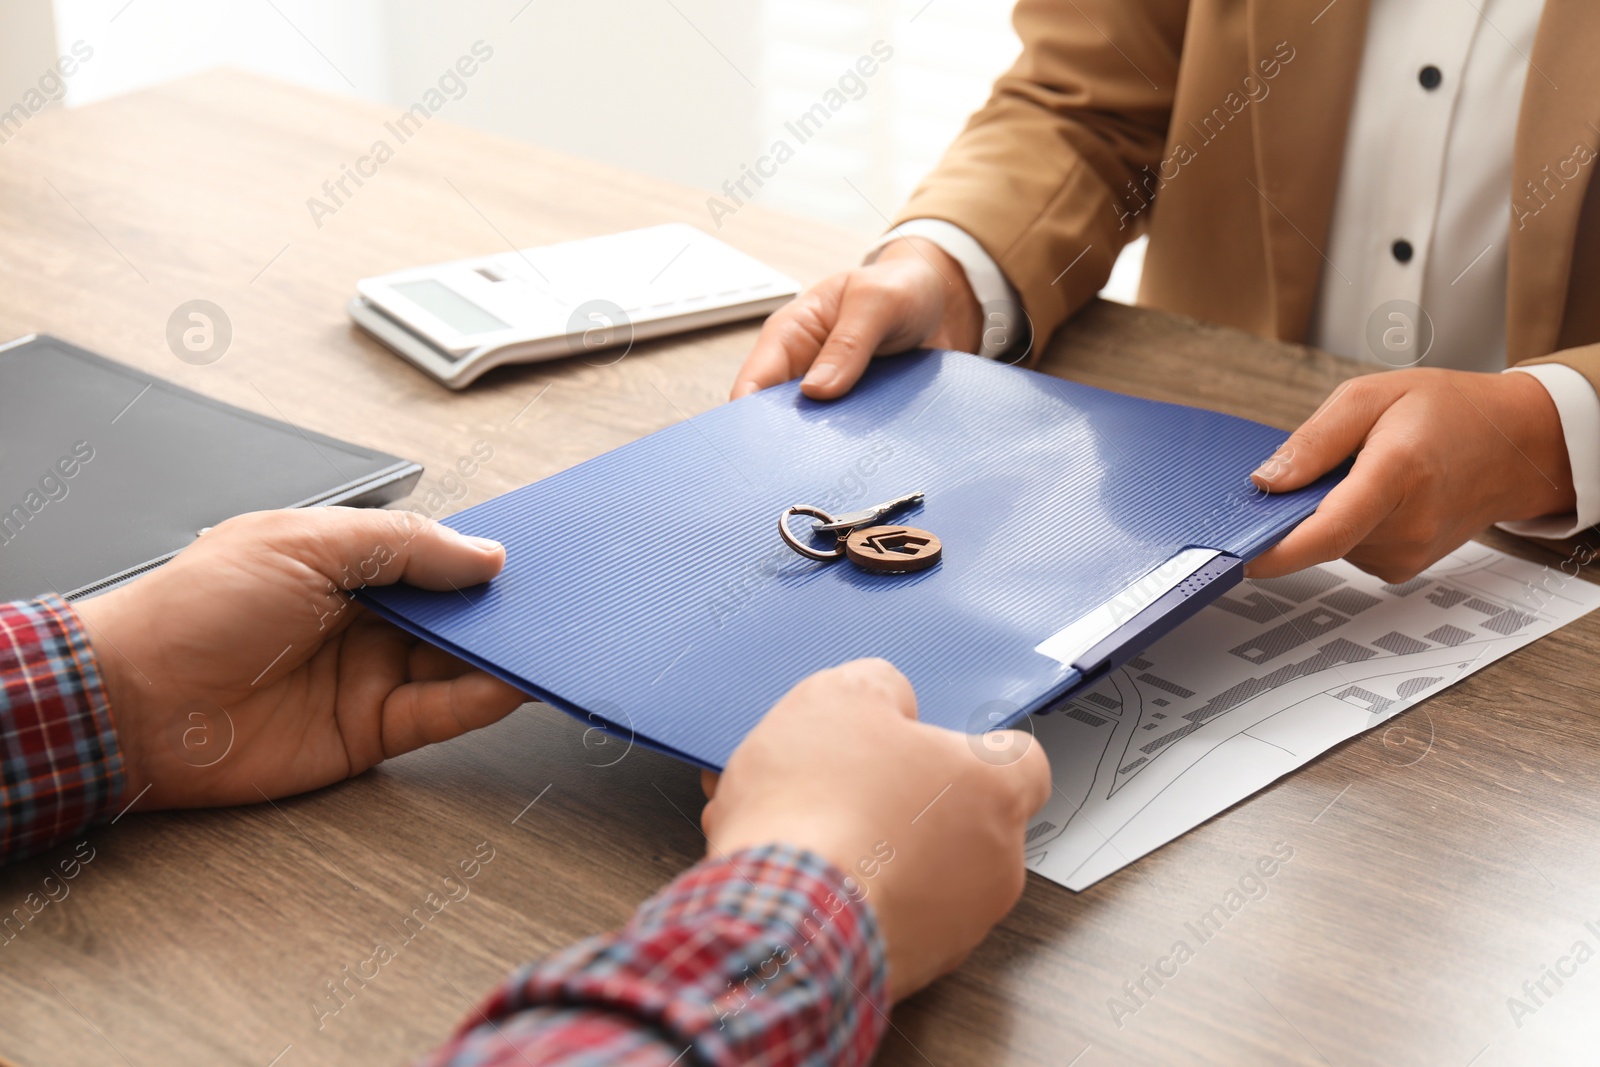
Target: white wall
{"type": "Point", "coordinates": [630, 82]}
{"type": "Point", "coordinates": [689, 90]}
{"type": "Point", "coordinates": [331, 46]}
{"type": "Point", "coordinates": [27, 51]}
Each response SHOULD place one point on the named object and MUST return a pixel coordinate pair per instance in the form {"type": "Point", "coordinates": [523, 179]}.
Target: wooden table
{"type": "Point", "coordinates": [1420, 896]}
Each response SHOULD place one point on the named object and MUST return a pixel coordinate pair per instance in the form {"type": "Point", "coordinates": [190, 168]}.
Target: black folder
{"type": "Point", "coordinates": [107, 472]}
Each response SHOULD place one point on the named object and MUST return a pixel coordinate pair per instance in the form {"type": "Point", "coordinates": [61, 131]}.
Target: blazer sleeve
{"type": "Point", "coordinates": [1584, 359]}
{"type": "Point", "coordinates": [1038, 173]}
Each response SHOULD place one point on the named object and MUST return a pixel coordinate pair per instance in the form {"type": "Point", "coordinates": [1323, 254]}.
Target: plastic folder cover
{"type": "Point", "coordinates": [647, 590]}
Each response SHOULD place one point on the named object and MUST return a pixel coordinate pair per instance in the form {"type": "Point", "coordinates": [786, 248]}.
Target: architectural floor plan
{"type": "Point", "coordinates": [1268, 677]}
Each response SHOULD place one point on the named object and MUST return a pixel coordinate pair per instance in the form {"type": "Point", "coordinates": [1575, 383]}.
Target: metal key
{"type": "Point", "coordinates": [873, 516]}
{"type": "Point", "coordinates": [837, 526]}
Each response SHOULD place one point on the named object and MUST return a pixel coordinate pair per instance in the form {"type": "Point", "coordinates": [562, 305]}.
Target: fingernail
{"type": "Point", "coordinates": [821, 375]}
{"type": "Point", "coordinates": [482, 544]}
{"type": "Point", "coordinates": [1269, 468]}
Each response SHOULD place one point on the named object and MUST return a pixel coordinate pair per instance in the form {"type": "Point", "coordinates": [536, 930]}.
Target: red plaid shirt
{"type": "Point", "coordinates": [761, 957]}
{"type": "Point", "coordinates": [60, 766]}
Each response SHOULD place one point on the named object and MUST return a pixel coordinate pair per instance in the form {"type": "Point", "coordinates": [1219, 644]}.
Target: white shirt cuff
{"type": "Point", "coordinates": [1579, 409]}
{"type": "Point", "coordinates": [1003, 321]}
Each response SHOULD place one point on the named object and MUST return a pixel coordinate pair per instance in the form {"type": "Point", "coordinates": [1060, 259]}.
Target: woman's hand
{"type": "Point", "coordinates": [1440, 455]}
{"type": "Point", "coordinates": [913, 294]}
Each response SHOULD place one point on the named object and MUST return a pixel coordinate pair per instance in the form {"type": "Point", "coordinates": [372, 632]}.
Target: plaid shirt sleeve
{"type": "Point", "coordinates": [769, 956]}
{"type": "Point", "coordinates": [60, 765]}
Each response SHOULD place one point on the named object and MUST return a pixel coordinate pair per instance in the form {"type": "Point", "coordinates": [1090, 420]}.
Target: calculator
{"type": "Point", "coordinates": [591, 298]}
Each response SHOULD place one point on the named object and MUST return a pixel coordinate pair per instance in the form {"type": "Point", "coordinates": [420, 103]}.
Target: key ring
{"type": "Point", "coordinates": [862, 539]}
{"type": "Point", "coordinates": [795, 543]}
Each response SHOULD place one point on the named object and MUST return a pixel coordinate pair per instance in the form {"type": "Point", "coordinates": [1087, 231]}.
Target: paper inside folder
{"type": "Point", "coordinates": [1069, 644]}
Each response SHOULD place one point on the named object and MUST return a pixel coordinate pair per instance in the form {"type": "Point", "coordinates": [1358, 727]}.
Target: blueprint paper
{"type": "Point", "coordinates": [1263, 680]}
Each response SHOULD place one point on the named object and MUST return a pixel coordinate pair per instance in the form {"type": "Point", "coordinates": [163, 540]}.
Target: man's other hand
{"type": "Point", "coordinates": [242, 670]}
{"type": "Point", "coordinates": [927, 822]}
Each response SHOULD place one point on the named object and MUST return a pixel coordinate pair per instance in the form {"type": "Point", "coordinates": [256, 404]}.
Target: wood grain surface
{"type": "Point", "coordinates": [1437, 865]}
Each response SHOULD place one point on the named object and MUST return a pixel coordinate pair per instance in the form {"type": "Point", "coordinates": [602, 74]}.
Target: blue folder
{"type": "Point", "coordinates": [647, 590]}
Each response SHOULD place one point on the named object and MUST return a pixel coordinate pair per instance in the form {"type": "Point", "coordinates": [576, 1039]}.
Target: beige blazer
{"type": "Point", "coordinates": [1218, 127]}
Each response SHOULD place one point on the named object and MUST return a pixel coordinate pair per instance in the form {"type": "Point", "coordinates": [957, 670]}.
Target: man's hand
{"type": "Point", "coordinates": [1442, 455]}
{"type": "Point", "coordinates": [914, 294]}
{"type": "Point", "coordinates": [928, 822]}
{"type": "Point", "coordinates": [242, 670]}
